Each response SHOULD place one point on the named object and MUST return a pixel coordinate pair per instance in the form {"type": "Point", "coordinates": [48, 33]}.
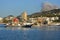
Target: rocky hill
{"type": "Point", "coordinates": [50, 13]}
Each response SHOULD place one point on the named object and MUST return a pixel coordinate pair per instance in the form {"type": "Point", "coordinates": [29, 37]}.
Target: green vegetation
{"type": "Point", "coordinates": [51, 13]}
{"type": "Point", "coordinates": [5, 21]}
{"type": "Point", "coordinates": [58, 21]}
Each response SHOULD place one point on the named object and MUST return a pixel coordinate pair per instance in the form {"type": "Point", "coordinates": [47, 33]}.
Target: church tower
{"type": "Point", "coordinates": [24, 16]}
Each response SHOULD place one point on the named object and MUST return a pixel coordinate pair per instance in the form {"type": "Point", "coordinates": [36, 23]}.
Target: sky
{"type": "Point", "coordinates": [16, 7]}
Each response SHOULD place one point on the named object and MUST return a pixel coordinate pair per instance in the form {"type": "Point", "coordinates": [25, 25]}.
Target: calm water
{"type": "Point", "coordinates": [30, 34]}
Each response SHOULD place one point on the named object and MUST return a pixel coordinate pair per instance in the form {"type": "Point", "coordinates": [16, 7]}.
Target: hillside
{"type": "Point", "coordinates": [51, 13]}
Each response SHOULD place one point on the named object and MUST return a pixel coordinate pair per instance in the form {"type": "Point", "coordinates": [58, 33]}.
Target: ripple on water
{"type": "Point", "coordinates": [30, 34]}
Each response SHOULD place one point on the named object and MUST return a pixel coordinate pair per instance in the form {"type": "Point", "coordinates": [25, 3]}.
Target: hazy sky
{"type": "Point", "coordinates": [16, 7]}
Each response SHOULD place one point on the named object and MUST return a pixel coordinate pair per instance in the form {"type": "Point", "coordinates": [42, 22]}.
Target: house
{"type": "Point", "coordinates": [15, 20]}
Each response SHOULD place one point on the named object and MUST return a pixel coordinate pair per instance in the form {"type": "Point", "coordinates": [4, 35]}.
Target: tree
{"type": "Point", "coordinates": [5, 21]}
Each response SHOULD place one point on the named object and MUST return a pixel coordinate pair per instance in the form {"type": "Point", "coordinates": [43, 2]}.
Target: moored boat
{"type": "Point", "coordinates": [27, 25]}
{"type": "Point", "coordinates": [3, 25]}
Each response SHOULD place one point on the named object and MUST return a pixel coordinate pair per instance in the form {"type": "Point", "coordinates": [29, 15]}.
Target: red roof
{"type": "Point", "coordinates": [15, 20]}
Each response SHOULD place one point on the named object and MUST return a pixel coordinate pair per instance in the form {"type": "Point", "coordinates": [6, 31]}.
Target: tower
{"type": "Point", "coordinates": [24, 16]}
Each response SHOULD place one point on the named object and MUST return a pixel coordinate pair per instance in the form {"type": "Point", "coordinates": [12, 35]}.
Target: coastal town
{"type": "Point", "coordinates": [45, 17]}
{"type": "Point", "coordinates": [29, 19]}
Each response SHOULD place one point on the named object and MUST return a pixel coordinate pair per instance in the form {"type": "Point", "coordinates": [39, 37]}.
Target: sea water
{"type": "Point", "coordinates": [30, 34]}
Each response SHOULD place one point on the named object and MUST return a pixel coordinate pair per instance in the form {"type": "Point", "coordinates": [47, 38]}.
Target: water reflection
{"type": "Point", "coordinates": [47, 33]}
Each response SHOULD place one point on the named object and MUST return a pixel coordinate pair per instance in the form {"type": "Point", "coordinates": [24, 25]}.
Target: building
{"type": "Point", "coordinates": [15, 20]}
{"type": "Point", "coordinates": [43, 20]}
{"type": "Point", "coordinates": [24, 16]}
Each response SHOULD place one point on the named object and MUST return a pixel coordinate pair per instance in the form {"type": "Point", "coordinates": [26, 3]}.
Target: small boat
{"type": "Point", "coordinates": [3, 25]}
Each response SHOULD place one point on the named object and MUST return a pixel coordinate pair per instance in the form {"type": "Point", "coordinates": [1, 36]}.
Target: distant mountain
{"type": "Point", "coordinates": [48, 6]}
{"type": "Point", "coordinates": [48, 10]}
{"type": "Point", "coordinates": [10, 16]}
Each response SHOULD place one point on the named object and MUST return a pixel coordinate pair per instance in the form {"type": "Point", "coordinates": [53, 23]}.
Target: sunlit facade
{"type": "Point", "coordinates": [24, 16]}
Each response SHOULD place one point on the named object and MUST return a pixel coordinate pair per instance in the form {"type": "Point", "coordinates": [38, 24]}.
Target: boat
{"type": "Point", "coordinates": [3, 25]}
{"type": "Point", "coordinates": [27, 25]}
